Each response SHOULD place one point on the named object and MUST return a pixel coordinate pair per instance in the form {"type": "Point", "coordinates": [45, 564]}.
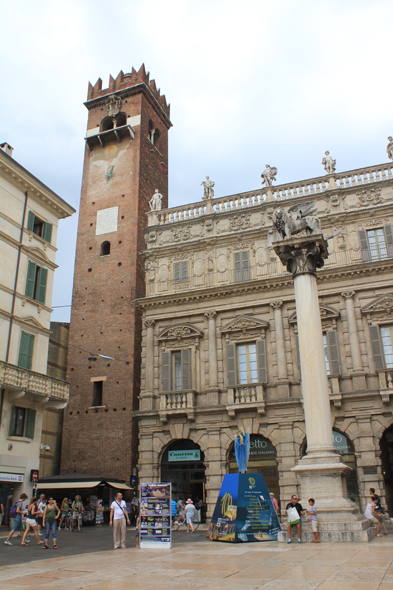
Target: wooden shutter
{"type": "Point", "coordinates": [30, 221]}
{"type": "Point", "coordinates": [30, 279]}
{"type": "Point", "coordinates": [238, 267]}
{"type": "Point", "coordinates": [298, 355]}
{"type": "Point", "coordinates": [176, 272]}
{"type": "Point", "coordinates": [47, 232]}
{"type": "Point", "coordinates": [30, 423]}
{"type": "Point", "coordinates": [30, 347]}
{"type": "Point", "coordinates": [376, 347]}
{"type": "Point", "coordinates": [41, 285]}
{"type": "Point", "coordinates": [246, 265]}
{"type": "Point", "coordinates": [166, 371]}
{"type": "Point", "coordinates": [231, 365]}
{"type": "Point", "coordinates": [364, 245]}
{"type": "Point", "coordinates": [334, 359]}
{"type": "Point", "coordinates": [186, 368]}
{"type": "Point", "coordinates": [389, 240]}
{"type": "Point", "coordinates": [12, 420]}
{"type": "Point", "coordinates": [184, 270]}
{"type": "Point", "coordinates": [261, 361]}
{"type": "Point", "coordinates": [23, 350]}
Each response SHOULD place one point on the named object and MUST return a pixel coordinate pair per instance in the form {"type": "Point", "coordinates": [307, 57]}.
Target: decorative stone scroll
{"type": "Point", "coordinates": [244, 326]}
{"type": "Point", "coordinates": [180, 333]}
{"type": "Point", "coordinates": [329, 317]}
{"type": "Point", "coordinates": [380, 310]}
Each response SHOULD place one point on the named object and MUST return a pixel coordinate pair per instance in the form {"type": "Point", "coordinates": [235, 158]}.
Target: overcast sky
{"type": "Point", "coordinates": [249, 83]}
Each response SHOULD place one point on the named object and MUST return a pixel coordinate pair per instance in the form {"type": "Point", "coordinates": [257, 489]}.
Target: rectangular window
{"type": "Point", "coordinates": [247, 363]}
{"type": "Point", "coordinates": [26, 350]}
{"type": "Point", "coordinates": [180, 271]}
{"type": "Point", "coordinates": [325, 350]}
{"type": "Point", "coordinates": [241, 262]}
{"type": "Point", "coordinates": [18, 427]}
{"type": "Point", "coordinates": [39, 227]}
{"type": "Point", "coordinates": [176, 370]}
{"type": "Point", "coordinates": [387, 340]}
{"type": "Point", "coordinates": [97, 393]}
{"type": "Point", "coordinates": [376, 244]}
{"type": "Point", "coordinates": [36, 281]}
{"type": "Point", "coordinates": [22, 422]}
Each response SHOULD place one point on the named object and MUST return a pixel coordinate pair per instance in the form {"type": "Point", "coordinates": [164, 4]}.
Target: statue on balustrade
{"type": "Point", "coordinates": [328, 163]}
{"type": "Point", "coordinates": [208, 192]}
{"type": "Point", "coordinates": [268, 175]}
{"type": "Point", "coordinates": [156, 201]}
{"type": "Point", "coordinates": [389, 148]}
{"type": "Point", "coordinates": [299, 217]}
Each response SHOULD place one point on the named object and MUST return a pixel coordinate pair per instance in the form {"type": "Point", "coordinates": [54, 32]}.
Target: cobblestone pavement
{"type": "Point", "coordinates": [195, 563]}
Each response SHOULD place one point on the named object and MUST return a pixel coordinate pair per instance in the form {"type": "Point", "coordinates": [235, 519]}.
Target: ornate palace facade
{"type": "Point", "coordinates": [219, 339]}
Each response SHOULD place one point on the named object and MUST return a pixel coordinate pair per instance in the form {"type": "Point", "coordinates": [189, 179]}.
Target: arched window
{"type": "Point", "coordinates": [121, 119]}
{"type": "Point", "coordinates": [105, 249]}
{"type": "Point", "coordinates": [151, 132]}
{"type": "Point", "coordinates": [107, 123]}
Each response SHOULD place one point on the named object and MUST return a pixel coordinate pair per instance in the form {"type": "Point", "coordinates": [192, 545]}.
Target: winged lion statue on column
{"type": "Point", "coordinates": [299, 217]}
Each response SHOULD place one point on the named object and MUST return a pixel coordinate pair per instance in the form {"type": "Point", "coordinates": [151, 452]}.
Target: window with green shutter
{"type": "Point", "coordinates": [40, 228]}
{"type": "Point", "coordinates": [22, 422]}
{"type": "Point", "coordinates": [176, 370]}
{"type": "Point", "coordinates": [246, 363]}
{"type": "Point", "coordinates": [36, 281]}
{"type": "Point", "coordinates": [31, 279]}
{"type": "Point", "coordinates": [42, 277]}
{"type": "Point", "coordinates": [30, 423]}
{"type": "Point", "coordinates": [26, 350]}
{"type": "Point", "coordinates": [376, 243]}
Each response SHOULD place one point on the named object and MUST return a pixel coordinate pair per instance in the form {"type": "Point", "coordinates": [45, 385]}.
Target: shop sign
{"type": "Point", "coordinates": [341, 443]}
{"type": "Point", "coordinates": [12, 477]}
{"type": "Point", "coordinates": [191, 455]}
{"type": "Point", "coordinates": [259, 446]}
{"type": "Point", "coordinates": [155, 515]}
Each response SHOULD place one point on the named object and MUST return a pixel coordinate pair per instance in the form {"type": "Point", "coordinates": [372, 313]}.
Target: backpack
{"type": "Point", "coordinates": [13, 511]}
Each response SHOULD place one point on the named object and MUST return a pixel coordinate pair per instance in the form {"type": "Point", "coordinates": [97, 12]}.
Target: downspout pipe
{"type": "Point", "coordinates": [16, 277]}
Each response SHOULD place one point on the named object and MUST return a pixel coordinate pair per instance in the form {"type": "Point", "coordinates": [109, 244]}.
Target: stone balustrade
{"type": "Point", "coordinates": [304, 188]}
{"type": "Point", "coordinates": [244, 397]}
{"type": "Point", "coordinates": [385, 384]}
{"type": "Point", "coordinates": [177, 402]}
{"type": "Point", "coordinates": [15, 378]}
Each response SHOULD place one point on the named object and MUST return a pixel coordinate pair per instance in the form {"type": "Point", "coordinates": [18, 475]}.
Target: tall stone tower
{"type": "Point", "coordinates": [126, 160]}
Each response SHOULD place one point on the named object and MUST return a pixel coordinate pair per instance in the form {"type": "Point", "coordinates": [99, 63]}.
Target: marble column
{"type": "Point", "coordinates": [321, 472]}
{"type": "Point", "coordinates": [212, 397]}
{"type": "Point", "coordinates": [280, 342]}
{"type": "Point", "coordinates": [353, 331]}
{"type": "Point", "coordinates": [149, 375]}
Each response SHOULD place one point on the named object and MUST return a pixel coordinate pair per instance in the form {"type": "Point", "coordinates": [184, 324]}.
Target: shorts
{"type": "Point", "coordinates": [373, 520]}
{"type": "Point", "coordinates": [77, 515]}
{"type": "Point", "coordinates": [136, 533]}
{"type": "Point", "coordinates": [39, 520]}
{"type": "Point", "coordinates": [189, 518]}
{"type": "Point", "coordinates": [314, 526]}
{"type": "Point", "coordinates": [17, 524]}
{"type": "Point", "coordinates": [31, 522]}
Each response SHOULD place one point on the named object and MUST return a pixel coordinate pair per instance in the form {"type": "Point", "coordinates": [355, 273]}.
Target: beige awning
{"type": "Point", "coordinates": [118, 486]}
{"type": "Point", "coordinates": [68, 485]}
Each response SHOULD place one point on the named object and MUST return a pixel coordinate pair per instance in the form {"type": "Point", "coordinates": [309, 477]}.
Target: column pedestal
{"type": "Point", "coordinates": [321, 472]}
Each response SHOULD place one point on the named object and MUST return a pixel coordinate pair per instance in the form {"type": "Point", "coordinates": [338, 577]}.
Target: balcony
{"type": "Point", "coordinates": [177, 402]}
{"type": "Point", "coordinates": [42, 388]}
{"type": "Point", "coordinates": [385, 384]}
{"type": "Point", "coordinates": [246, 397]}
{"type": "Point", "coordinates": [97, 137]}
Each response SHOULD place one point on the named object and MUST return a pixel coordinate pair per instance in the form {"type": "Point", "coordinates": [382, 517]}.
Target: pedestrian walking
{"type": "Point", "coordinates": [372, 515]}
{"type": "Point", "coordinates": [173, 512]}
{"type": "Point", "coordinates": [41, 508]}
{"type": "Point", "coordinates": [137, 525]}
{"type": "Point", "coordinates": [189, 514]}
{"type": "Point", "coordinates": [134, 510]}
{"type": "Point", "coordinates": [77, 510]}
{"type": "Point", "coordinates": [117, 519]}
{"type": "Point", "coordinates": [31, 522]}
{"type": "Point", "coordinates": [64, 509]}
{"type": "Point", "coordinates": [19, 511]}
{"type": "Point", "coordinates": [49, 521]}
{"type": "Point", "coordinates": [274, 502]}
{"type": "Point", "coordinates": [313, 518]}
{"type": "Point", "coordinates": [294, 511]}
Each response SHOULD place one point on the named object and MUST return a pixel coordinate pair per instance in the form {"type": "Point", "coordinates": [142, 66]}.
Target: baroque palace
{"type": "Point", "coordinates": [219, 339]}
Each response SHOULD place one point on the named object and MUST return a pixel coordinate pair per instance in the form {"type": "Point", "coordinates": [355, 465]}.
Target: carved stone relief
{"type": "Point", "coordinates": [244, 326]}
{"type": "Point", "coordinates": [222, 263]}
{"type": "Point", "coordinates": [181, 234]}
{"type": "Point", "coordinates": [199, 267]}
{"type": "Point", "coordinates": [379, 310]}
{"type": "Point", "coordinates": [163, 273]}
{"type": "Point", "coordinates": [150, 237]}
{"type": "Point", "coordinates": [237, 222]}
{"type": "Point", "coordinates": [329, 316]}
{"type": "Point", "coordinates": [371, 196]}
{"type": "Point", "coordinates": [150, 268]}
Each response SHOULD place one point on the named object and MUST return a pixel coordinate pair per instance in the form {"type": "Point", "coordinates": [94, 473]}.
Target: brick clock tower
{"type": "Point", "coordinates": [126, 160]}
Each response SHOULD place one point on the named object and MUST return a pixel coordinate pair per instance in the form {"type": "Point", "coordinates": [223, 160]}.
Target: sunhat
{"type": "Point", "coordinates": [189, 501]}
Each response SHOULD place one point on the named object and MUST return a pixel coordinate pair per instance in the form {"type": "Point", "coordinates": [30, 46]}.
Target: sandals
{"type": "Point", "coordinates": [54, 546]}
{"type": "Point", "coordinates": [45, 547]}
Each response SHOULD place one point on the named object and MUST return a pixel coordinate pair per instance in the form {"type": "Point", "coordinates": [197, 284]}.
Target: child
{"type": "Point", "coordinates": [314, 520]}
{"type": "Point", "coordinates": [137, 529]}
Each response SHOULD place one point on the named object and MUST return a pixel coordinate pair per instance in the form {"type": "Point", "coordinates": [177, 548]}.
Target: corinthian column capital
{"type": "Point", "coordinates": [211, 314]}
{"type": "Point", "coordinates": [276, 304]}
{"type": "Point", "coordinates": [348, 294]}
{"type": "Point", "coordinates": [149, 323]}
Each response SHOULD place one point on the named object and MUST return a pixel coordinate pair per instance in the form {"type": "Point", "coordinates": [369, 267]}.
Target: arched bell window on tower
{"type": "Point", "coordinates": [105, 249]}
{"type": "Point", "coordinates": [154, 134]}
{"type": "Point", "coordinates": [107, 123]}
{"type": "Point", "coordinates": [121, 119]}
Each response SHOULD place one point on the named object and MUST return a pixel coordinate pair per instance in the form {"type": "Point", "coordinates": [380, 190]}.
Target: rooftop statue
{"type": "Point", "coordinates": [389, 148]}
{"type": "Point", "coordinates": [299, 217]}
{"type": "Point", "coordinates": [268, 175]}
{"type": "Point", "coordinates": [242, 450]}
{"type": "Point", "coordinates": [328, 163]}
{"type": "Point", "coordinates": [156, 201]}
{"type": "Point", "coordinates": [208, 192]}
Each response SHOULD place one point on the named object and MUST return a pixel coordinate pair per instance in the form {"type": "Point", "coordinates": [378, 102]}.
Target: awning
{"type": "Point", "coordinates": [70, 485]}
{"type": "Point", "coordinates": [118, 486]}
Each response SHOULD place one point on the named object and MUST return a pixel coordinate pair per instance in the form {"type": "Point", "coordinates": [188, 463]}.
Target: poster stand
{"type": "Point", "coordinates": [155, 516]}
{"type": "Point", "coordinates": [244, 511]}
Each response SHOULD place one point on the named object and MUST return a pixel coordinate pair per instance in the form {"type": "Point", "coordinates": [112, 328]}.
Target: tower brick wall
{"type": "Point", "coordinates": [104, 320]}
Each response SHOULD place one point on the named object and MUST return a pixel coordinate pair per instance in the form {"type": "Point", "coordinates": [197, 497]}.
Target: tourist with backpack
{"type": "Point", "coordinates": [16, 512]}
{"type": "Point", "coordinates": [31, 522]}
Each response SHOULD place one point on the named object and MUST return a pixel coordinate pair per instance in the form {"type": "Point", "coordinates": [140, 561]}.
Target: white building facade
{"type": "Point", "coordinates": [29, 217]}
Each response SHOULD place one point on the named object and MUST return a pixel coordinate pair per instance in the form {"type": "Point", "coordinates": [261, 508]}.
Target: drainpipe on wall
{"type": "Point", "coordinates": [16, 277]}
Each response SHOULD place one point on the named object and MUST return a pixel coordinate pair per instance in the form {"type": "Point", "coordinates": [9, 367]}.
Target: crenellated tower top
{"type": "Point", "coordinates": [125, 81]}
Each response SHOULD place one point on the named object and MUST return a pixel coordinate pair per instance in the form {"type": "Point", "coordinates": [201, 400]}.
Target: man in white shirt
{"type": "Point", "coordinates": [117, 519]}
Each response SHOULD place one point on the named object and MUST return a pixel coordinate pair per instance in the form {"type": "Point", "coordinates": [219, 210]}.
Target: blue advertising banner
{"type": "Point", "coordinates": [244, 511]}
{"type": "Point", "coordinates": [155, 513]}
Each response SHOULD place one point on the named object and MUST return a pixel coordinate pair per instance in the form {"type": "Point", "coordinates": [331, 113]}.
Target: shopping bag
{"type": "Point", "coordinates": [293, 516]}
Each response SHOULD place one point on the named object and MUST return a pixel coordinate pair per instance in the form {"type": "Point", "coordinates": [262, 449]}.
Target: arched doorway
{"type": "Point", "coordinates": [386, 445]}
{"type": "Point", "coordinates": [263, 459]}
{"type": "Point", "coordinates": [182, 464]}
{"type": "Point", "coordinates": [345, 449]}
